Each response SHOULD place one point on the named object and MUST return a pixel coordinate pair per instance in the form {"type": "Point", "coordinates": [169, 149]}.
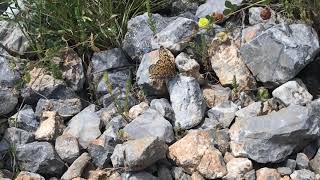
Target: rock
{"type": "Point", "coordinates": [67, 148]}
{"type": "Point", "coordinates": [251, 175]}
{"type": "Point", "coordinates": [302, 161]}
{"type": "Point", "coordinates": [51, 126]}
{"type": "Point", "coordinates": [24, 119]}
{"type": "Point", "coordinates": [238, 167]}
{"type": "Point", "coordinates": [224, 113]}
{"type": "Point", "coordinates": [212, 6]}
{"type": "Point", "coordinates": [24, 175]}
{"type": "Point", "coordinates": [102, 174]}
{"type": "Point", "coordinates": [278, 132]}
{"type": "Point", "coordinates": [267, 173]}
{"type": "Point", "coordinates": [76, 168]}
{"type": "Point", "coordinates": [178, 173]}
{"type": "Point", "coordinates": [137, 110]}
{"type": "Point", "coordinates": [164, 173]}
{"type": "Point", "coordinates": [106, 114]}
{"type": "Point", "coordinates": [194, 152]}
{"type": "Point", "coordinates": [187, 66]}
{"type": "Point", "coordinates": [8, 75]}
{"type": "Point", "coordinates": [71, 67]}
{"type": "Point", "coordinates": [137, 40]}
{"type": "Point", "coordinates": [182, 6]}
{"type": "Point", "coordinates": [210, 123]}
{"type": "Point", "coordinates": [227, 64]}
{"type": "Point", "coordinates": [139, 154]}
{"type": "Point", "coordinates": [290, 163]}
{"type": "Point", "coordinates": [14, 137]}
{"type": "Point", "coordinates": [12, 37]}
{"type": "Point", "coordinates": [150, 123]}
{"type": "Point", "coordinates": [228, 157]}
{"type": "Point", "coordinates": [112, 128]}
{"type": "Point", "coordinates": [311, 150]}
{"type": "Point", "coordinates": [220, 139]}
{"type": "Point", "coordinates": [142, 175]}
{"type": "Point", "coordinates": [215, 95]}
{"type": "Point", "coordinates": [101, 150]}
{"type": "Point", "coordinates": [303, 174]}
{"type": "Point", "coordinates": [284, 171]}
{"type": "Point", "coordinates": [8, 100]}
{"type": "Point", "coordinates": [251, 32]}
{"type": "Point", "coordinates": [66, 108]}
{"type": "Point", "coordinates": [279, 53]}
{"type": "Point", "coordinates": [177, 35]}
{"type": "Point", "coordinates": [255, 16]}
{"type": "Point", "coordinates": [187, 101]}
{"type": "Point", "coordinates": [163, 107]}
{"type": "Point", "coordinates": [39, 157]}
{"type": "Point", "coordinates": [252, 110]}
{"type": "Point", "coordinates": [293, 92]}
{"type": "Point", "coordinates": [315, 163]}
{"type": "Point", "coordinates": [43, 85]}
{"type": "Point", "coordinates": [196, 176]}
{"type": "Point", "coordinates": [84, 126]}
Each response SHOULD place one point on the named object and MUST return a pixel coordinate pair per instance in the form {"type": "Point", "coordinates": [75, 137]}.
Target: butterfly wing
{"type": "Point", "coordinates": [165, 66]}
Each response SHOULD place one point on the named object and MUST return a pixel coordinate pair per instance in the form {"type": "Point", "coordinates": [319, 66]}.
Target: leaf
{"type": "Point", "coordinates": [228, 4]}
{"type": "Point", "coordinates": [227, 12]}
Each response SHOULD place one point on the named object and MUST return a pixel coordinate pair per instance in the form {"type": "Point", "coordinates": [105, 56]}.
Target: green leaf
{"type": "Point", "coordinates": [227, 12]}
{"type": "Point", "coordinates": [228, 4]}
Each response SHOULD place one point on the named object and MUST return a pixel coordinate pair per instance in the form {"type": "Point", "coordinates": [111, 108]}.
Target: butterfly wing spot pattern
{"type": "Point", "coordinates": [165, 66]}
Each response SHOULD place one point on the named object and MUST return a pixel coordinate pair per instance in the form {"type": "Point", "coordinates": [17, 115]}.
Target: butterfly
{"type": "Point", "coordinates": [165, 66]}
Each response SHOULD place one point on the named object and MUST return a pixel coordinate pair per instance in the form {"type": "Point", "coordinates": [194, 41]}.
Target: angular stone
{"type": "Point", "coordinates": [164, 173]}
{"type": "Point", "coordinates": [195, 152]}
{"type": "Point", "coordinates": [227, 64]}
{"type": "Point", "coordinates": [24, 119]}
{"type": "Point", "coordinates": [187, 101]}
{"type": "Point", "coordinates": [139, 154]}
{"type": "Point", "coordinates": [252, 110]}
{"type": "Point", "coordinates": [77, 167]}
{"type": "Point", "coordinates": [238, 167]}
{"type": "Point", "coordinates": [255, 16]}
{"type": "Point", "coordinates": [293, 92]}
{"type": "Point", "coordinates": [163, 107]}
{"type": "Point", "coordinates": [284, 171]}
{"type": "Point", "coordinates": [224, 113]}
{"type": "Point", "coordinates": [303, 174]}
{"type": "Point", "coordinates": [142, 175]}
{"type": "Point", "coordinates": [8, 100]}
{"type": "Point", "coordinates": [279, 132]}
{"type": "Point", "coordinates": [138, 109]}
{"type": "Point", "coordinates": [14, 137]}
{"type": "Point", "coordinates": [112, 128]}
{"type": "Point", "coordinates": [51, 126]}
{"type": "Point", "coordinates": [137, 41]}
{"type": "Point", "coordinates": [12, 37]}
{"type": "Point", "coordinates": [212, 6]}
{"type": "Point", "coordinates": [101, 150]}
{"type": "Point", "coordinates": [177, 35]}
{"type": "Point", "coordinates": [150, 123]}
{"type": "Point", "coordinates": [279, 53]}
{"type": "Point", "coordinates": [302, 161]}
{"type": "Point", "coordinates": [85, 126]}
{"type": "Point", "coordinates": [24, 175]}
{"type": "Point", "coordinates": [187, 66]}
{"type": "Point", "coordinates": [67, 148]}
{"type": "Point", "coordinates": [315, 163]}
{"type": "Point", "coordinates": [215, 95]}
{"type": "Point", "coordinates": [8, 75]}
{"type": "Point", "coordinates": [267, 173]}
{"type": "Point", "coordinates": [66, 108]}
{"type": "Point", "coordinates": [178, 173]}
{"type": "Point", "coordinates": [251, 175]}
{"type": "Point", "coordinates": [39, 157]}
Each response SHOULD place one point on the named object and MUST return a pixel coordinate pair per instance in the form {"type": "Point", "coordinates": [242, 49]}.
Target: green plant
{"type": "Point", "coordinates": [263, 94]}
{"type": "Point", "coordinates": [122, 135]}
{"type": "Point", "coordinates": [235, 88]}
{"type": "Point", "coordinates": [151, 22]}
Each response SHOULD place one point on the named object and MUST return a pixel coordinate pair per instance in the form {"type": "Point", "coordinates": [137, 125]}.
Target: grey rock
{"type": "Point", "coordinates": [139, 154]}
{"type": "Point", "coordinates": [315, 163]}
{"type": "Point", "coordinates": [303, 175]}
{"type": "Point", "coordinates": [101, 150]}
{"type": "Point", "coordinates": [163, 106]}
{"type": "Point", "coordinates": [137, 41]}
{"type": "Point", "coordinates": [210, 123]}
{"type": "Point", "coordinates": [311, 150]}
{"type": "Point", "coordinates": [14, 137]}
{"type": "Point", "coordinates": [279, 132]}
{"type": "Point", "coordinates": [224, 113]}
{"type": "Point", "coordinates": [251, 175]}
{"type": "Point", "coordinates": [123, 99]}
{"type": "Point", "coordinates": [67, 148]}
{"type": "Point", "coordinates": [177, 35]}
{"type": "Point", "coordinates": [39, 157]}
{"type": "Point", "coordinates": [24, 119]}
{"type": "Point", "coordinates": [220, 139]}
{"type": "Point", "coordinates": [182, 6]}
{"type": "Point", "coordinates": [238, 167]}
{"type": "Point", "coordinates": [150, 123]}
{"type": "Point", "coordinates": [187, 65]}
{"type": "Point", "coordinates": [113, 127]}
{"type": "Point", "coordinates": [290, 163]}
{"type": "Point", "coordinates": [254, 109]}
{"type": "Point", "coordinates": [77, 167]}
{"type": "Point", "coordinates": [117, 79]}
{"type": "Point", "coordinates": [85, 126]}
{"type": "Point", "coordinates": [255, 18]}
{"type": "Point", "coordinates": [302, 161]}
{"type": "Point", "coordinates": [66, 108]}
{"type": "Point", "coordinates": [284, 171]}
{"type": "Point", "coordinates": [8, 75]}
{"type": "Point", "coordinates": [142, 175]}
{"type": "Point", "coordinates": [293, 92]}
{"type": "Point", "coordinates": [8, 100]}
{"type": "Point", "coordinates": [164, 173]}
{"type": "Point", "coordinates": [252, 32]}
{"type": "Point", "coordinates": [212, 6]}
{"type": "Point", "coordinates": [12, 37]}
{"type": "Point", "coordinates": [216, 94]}
{"type": "Point", "coordinates": [280, 52]}
{"type": "Point", "coordinates": [137, 110]}
{"type": "Point", "coordinates": [179, 174]}
{"type": "Point", "coordinates": [187, 101]}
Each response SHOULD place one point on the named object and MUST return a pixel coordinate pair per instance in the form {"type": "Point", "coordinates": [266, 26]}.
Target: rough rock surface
{"type": "Point", "coordinates": [14, 137]}
{"type": "Point", "coordinates": [238, 167]}
{"type": "Point", "coordinates": [67, 148]}
{"type": "Point", "coordinates": [8, 100]}
{"type": "Point", "coordinates": [163, 106]}
{"type": "Point", "coordinates": [212, 6]}
{"type": "Point", "coordinates": [215, 95]}
{"type": "Point", "coordinates": [51, 126]}
{"type": "Point", "coordinates": [224, 113]}
{"type": "Point", "coordinates": [187, 101]}
{"type": "Point", "coordinates": [25, 119]}
{"type": "Point", "coordinates": [76, 168]}
{"type": "Point", "coordinates": [278, 132]}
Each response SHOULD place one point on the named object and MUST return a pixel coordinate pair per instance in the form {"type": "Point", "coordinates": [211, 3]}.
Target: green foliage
{"type": "Point", "coordinates": [307, 10]}
{"type": "Point", "coordinates": [263, 94]}
{"type": "Point", "coordinates": [123, 136]}
{"type": "Point", "coordinates": [151, 22]}
{"type": "Point", "coordinates": [230, 8]}
{"type": "Point", "coordinates": [235, 85]}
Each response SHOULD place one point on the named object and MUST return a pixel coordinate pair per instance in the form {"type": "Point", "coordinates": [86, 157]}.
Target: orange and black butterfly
{"type": "Point", "coordinates": [165, 66]}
